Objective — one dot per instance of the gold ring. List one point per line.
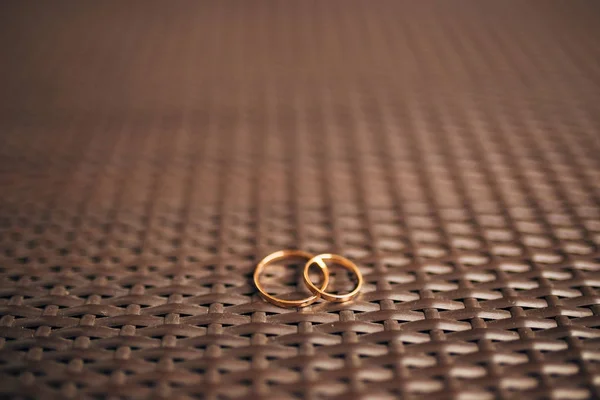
(279, 255)
(344, 262)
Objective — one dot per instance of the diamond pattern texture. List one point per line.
(152, 153)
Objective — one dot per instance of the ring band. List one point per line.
(279, 255)
(344, 262)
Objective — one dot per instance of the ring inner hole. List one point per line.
(341, 280)
(283, 279)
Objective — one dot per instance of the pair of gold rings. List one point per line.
(316, 291)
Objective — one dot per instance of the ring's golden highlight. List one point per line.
(280, 255)
(344, 262)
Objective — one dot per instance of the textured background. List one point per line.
(151, 153)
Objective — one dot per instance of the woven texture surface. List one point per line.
(151, 154)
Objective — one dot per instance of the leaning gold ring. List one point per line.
(344, 262)
(279, 255)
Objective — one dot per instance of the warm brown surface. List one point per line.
(151, 153)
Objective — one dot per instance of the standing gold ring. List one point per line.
(279, 255)
(344, 262)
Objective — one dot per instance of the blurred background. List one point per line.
(152, 152)
(309, 94)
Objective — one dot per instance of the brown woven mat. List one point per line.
(151, 153)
